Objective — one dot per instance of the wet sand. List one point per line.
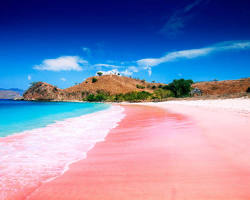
(155, 154)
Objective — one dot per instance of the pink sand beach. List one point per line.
(163, 151)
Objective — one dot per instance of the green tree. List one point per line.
(99, 73)
(94, 80)
(91, 97)
(101, 97)
(180, 87)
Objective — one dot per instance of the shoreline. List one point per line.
(54, 148)
(166, 152)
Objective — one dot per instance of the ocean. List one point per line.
(39, 140)
(18, 116)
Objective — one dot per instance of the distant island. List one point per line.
(12, 93)
(116, 88)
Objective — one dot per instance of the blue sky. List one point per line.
(64, 42)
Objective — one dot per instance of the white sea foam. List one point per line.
(35, 156)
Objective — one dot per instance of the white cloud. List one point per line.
(194, 53)
(63, 79)
(127, 72)
(133, 69)
(63, 63)
(106, 65)
(29, 77)
(149, 69)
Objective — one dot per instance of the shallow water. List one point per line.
(17, 116)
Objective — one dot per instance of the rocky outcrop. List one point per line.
(42, 91)
(196, 92)
(46, 92)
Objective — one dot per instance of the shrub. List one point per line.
(136, 96)
(140, 86)
(143, 95)
(248, 90)
(180, 87)
(118, 97)
(101, 97)
(131, 96)
(94, 80)
(91, 97)
(55, 89)
(162, 94)
(165, 87)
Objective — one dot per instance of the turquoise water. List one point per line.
(17, 116)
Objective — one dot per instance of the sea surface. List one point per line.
(17, 116)
(39, 140)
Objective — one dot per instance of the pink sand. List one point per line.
(153, 154)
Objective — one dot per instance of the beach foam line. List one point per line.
(30, 158)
